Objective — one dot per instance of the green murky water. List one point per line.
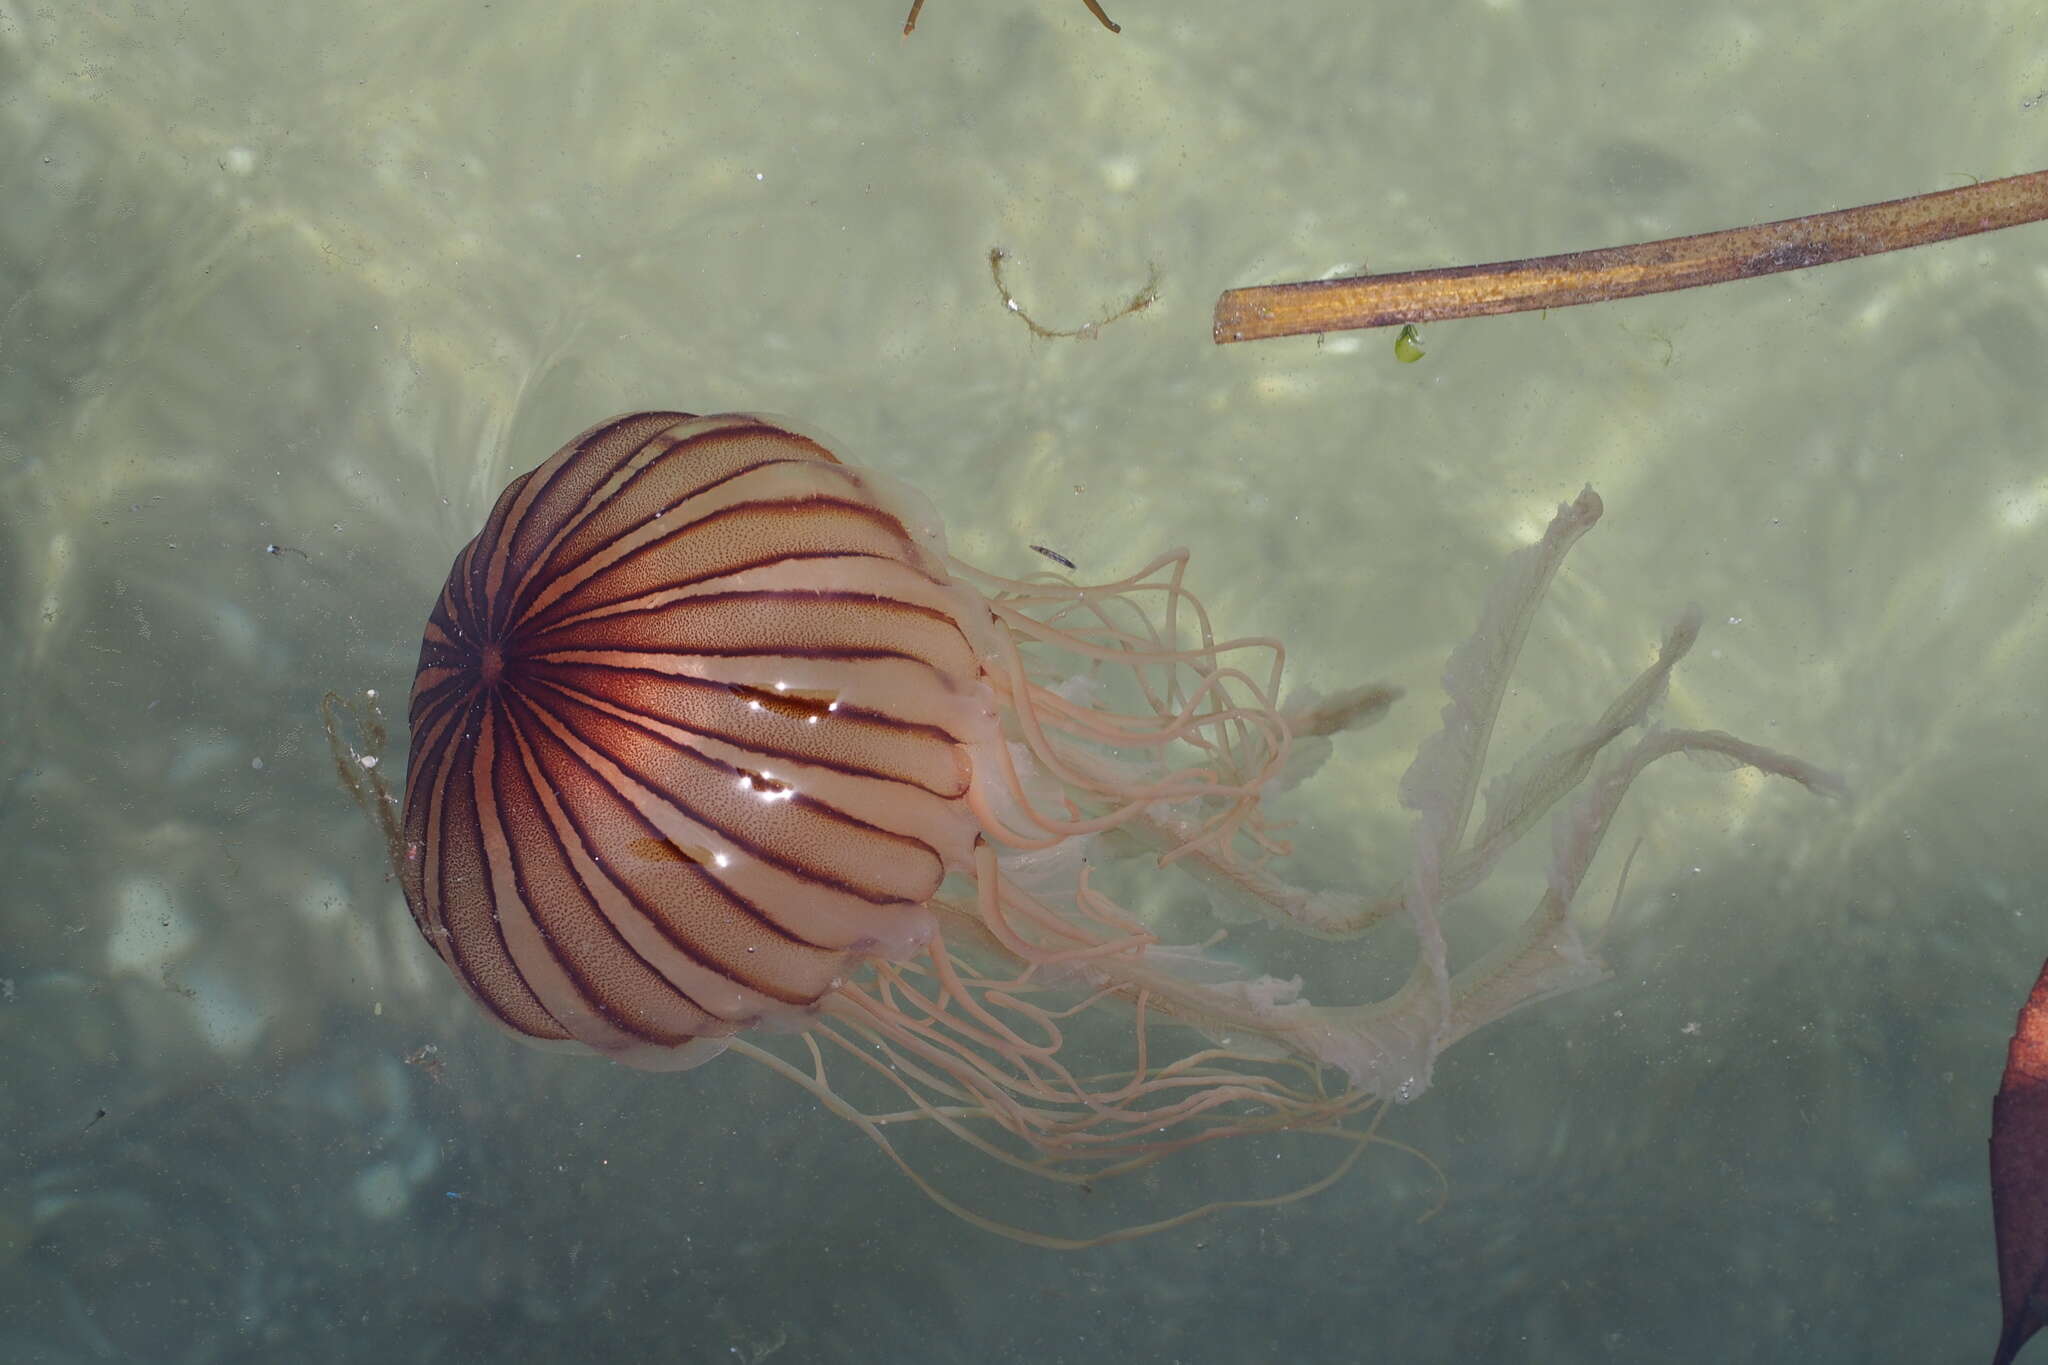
(286, 295)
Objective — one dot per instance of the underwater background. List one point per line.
(288, 292)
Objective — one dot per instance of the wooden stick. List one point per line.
(1620, 272)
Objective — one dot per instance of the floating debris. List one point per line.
(1093, 8)
(1139, 302)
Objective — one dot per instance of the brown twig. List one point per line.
(1093, 8)
(1620, 272)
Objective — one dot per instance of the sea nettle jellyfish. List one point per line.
(712, 740)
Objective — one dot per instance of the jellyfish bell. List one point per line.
(690, 739)
(712, 740)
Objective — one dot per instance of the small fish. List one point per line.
(1054, 555)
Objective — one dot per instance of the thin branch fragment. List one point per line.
(1107, 22)
(1093, 8)
(1620, 272)
(1139, 302)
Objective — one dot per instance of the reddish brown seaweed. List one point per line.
(2019, 1176)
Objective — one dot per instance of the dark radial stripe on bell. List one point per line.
(765, 622)
(709, 779)
(455, 878)
(667, 466)
(829, 528)
(582, 488)
(608, 973)
(638, 691)
(544, 497)
(536, 719)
